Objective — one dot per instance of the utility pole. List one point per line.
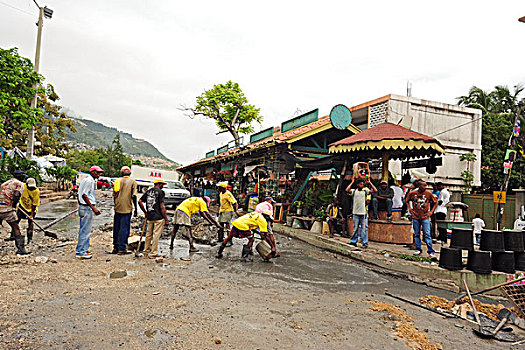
(512, 143)
(48, 13)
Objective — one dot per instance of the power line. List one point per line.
(16, 8)
(457, 127)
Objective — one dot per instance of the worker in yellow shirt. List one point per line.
(242, 228)
(228, 206)
(185, 212)
(29, 203)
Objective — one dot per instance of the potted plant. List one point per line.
(299, 207)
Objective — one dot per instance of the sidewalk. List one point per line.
(385, 257)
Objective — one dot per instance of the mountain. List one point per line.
(91, 134)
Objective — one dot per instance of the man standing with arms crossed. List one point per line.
(125, 197)
(228, 206)
(86, 210)
(441, 210)
(10, 192)
(418, 202)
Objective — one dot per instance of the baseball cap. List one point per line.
(31, 182)
(269, 199)
(159, 181)
(207, 200)
(96, 168)
(125, 168)
(384, 182)
(19, 172)
(222, 184)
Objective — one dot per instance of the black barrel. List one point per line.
(492, 240)
(503, 262)
(513, 240)
(479, 261)
(450, 259)
(519, 259)
(462, 238)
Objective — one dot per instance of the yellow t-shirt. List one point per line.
(29, 199)
(193, 205)
(227, 202)
(251, 221)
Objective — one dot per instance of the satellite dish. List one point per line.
(341, 117)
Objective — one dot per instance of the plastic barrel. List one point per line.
(479, 261)
(513, 240)
(462, 238)
(519, 259)
(503, 262)
(450, 259)
(492, 240)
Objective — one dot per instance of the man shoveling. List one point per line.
(228, 206)
(242, 228)
(10, 192)
(185, 212)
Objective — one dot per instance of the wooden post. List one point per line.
(385, 157)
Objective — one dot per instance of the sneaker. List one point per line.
(84, 257)
(365, 247)
(432, 256)
(353, 244)
(417, 252)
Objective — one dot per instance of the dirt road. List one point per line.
(308, 299)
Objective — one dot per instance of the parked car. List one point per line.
(103, 183)
(175, 193)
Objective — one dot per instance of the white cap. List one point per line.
(31, 182)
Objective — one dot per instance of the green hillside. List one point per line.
(96, 134)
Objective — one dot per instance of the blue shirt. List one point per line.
(87, 187)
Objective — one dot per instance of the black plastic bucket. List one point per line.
(450, 259)
(492, 240)
(462, 238)
(519, 259)
(479, 261)
(513, 240)
(503, 262)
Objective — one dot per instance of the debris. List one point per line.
(150, 334)
(159, 260)
(118, 274)
(404, 327)
(490, 310)
(218, 340)
(155, 293)
(185, 259)
(41, 259)
(54, 261)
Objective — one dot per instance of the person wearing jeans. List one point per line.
(360, 217)
(418, 202)
(125, 198)
(384, 196)
(86, 210)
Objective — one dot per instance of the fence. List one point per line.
(482, 204)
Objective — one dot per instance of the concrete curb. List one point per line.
(430, 275)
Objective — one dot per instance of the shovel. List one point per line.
(504, 315)
(137, 252)
(46, 233)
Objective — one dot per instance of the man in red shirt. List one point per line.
(418, 202)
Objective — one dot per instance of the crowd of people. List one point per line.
(20, 199)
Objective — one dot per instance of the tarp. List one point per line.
(331, 162)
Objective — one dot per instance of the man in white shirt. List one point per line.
(478, 224)
(397, 201)
(441, 210)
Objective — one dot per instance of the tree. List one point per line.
(227, 105)
(17, 88)
(499, 109)
(466, 174)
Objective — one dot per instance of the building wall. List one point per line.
(457, 128)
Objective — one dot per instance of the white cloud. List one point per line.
(131, 64)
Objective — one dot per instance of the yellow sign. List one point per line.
(499, 197)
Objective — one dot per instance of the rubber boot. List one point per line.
(219, 253)
(20, 245)
(29, 235)
(220, 235)
(10, 238)
(245, 252)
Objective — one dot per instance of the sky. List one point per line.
(132, 64)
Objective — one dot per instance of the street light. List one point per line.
(47, 13)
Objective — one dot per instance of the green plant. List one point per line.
(320, 214)
(298, 204)
(467, 175)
